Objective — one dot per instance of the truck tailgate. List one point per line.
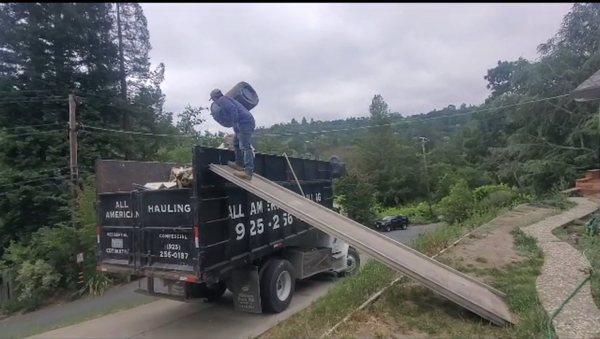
(167, 230)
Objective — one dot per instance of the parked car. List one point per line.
(391, 223)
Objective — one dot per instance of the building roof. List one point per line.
(588, 90)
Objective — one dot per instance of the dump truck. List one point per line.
(194, 243)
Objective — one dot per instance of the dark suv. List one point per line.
(391, 223)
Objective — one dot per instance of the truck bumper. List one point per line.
(168, 275)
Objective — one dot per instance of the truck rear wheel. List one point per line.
(352, 261)
(277, 285)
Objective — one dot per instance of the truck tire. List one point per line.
(277, 283)
(211, 293)
(353, 262)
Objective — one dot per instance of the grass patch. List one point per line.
(328, 310)
(433, 242)
(412, 309)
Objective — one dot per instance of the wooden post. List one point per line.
(423, 141)
(73, 155)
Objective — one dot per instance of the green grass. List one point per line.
(409, 308)
(442, 237)
(328, 310)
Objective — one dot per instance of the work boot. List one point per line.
(243, 175)
(235, 166)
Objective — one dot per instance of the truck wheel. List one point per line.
(353, 261)
(211, 293)
(277, 284)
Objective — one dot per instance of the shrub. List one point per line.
(53, 251)
(418, 213)
(496, 199)
(35, 281)
(457, 205)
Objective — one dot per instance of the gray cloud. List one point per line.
(326, 61)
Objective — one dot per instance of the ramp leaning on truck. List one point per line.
(454, 285)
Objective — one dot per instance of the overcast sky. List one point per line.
(326, 61)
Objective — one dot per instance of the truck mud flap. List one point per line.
(245, 285)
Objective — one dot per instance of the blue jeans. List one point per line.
(244, 156)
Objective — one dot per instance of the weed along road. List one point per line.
(166, 318)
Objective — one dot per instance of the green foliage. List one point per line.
(418, 213)
(189, 119)
(35, 281)
(355, 195)
(593, 225)
(457, 205)
(55, 249)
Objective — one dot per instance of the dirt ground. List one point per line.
(491, 246)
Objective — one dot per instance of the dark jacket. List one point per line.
(233, 114)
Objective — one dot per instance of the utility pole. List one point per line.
(423, 141)
(73, 155)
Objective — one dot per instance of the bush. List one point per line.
(457, 205)
(418, 213)
(496, 196)
(496, 199)
(52, 252)
(482, 192)
(35, 281)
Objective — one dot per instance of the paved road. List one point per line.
(166, 318)
(171, 319)
(411, 233)
(116, 298)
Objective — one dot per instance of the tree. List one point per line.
(190, 119)
(46, 51)
(355, 195)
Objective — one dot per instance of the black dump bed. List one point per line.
(195, 233)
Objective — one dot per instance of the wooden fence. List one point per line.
(6, 287)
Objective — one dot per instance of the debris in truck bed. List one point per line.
(160, 185)
(183, 176)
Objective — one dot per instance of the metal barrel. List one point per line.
(245, 94)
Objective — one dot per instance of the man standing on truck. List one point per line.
(228, 112)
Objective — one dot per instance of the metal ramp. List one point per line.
(444, 280)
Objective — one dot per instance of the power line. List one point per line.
(30, 91)
(36, 125)
(84, 127)
(408, 120)
(31, 133)
(33, 99)
(414, 119)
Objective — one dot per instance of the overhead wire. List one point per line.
(30, 133)
(410, 119)
(26, 126)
